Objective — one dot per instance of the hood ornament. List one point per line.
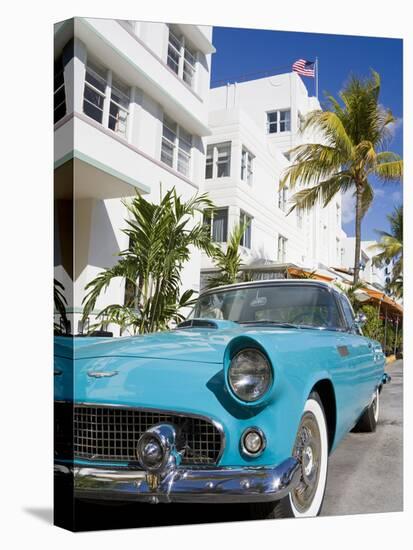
(102, 374)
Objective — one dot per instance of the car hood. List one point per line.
(193, 344)
(175, 370)
(188, 344)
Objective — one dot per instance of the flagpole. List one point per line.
(316, 77)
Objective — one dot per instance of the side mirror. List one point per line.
(360, 319)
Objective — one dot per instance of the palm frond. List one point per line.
(389, 171)
(305, 199)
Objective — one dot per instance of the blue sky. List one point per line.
(248, 51)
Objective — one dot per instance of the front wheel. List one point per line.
(311, 449)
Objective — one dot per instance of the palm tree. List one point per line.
(160, 237)
(354, 133)
(229, 262)
(390, 249)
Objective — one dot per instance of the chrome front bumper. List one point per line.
(224, 485)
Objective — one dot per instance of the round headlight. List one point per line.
(250, 375)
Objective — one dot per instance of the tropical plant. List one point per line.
(353, 135)
(373, 327)
(351, 293)
(395, 286)
(160, 241)
(60, 304)
(228, 261)
(390, 250)
(302, 274)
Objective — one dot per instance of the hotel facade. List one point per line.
(134, 112)
(254, 124)
(131, 114)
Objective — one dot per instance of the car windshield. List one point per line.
(296, 305)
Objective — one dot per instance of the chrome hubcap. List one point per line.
(308, 461)
(307, 450)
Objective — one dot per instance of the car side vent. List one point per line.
(197, 323)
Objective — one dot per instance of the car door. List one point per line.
(361, 362)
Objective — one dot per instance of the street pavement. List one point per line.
(366, 471)
(365, 476)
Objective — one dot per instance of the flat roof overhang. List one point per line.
(80, 177)
(197, 37)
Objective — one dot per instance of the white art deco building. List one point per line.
(134, 110)
(131, 111)
(254, 124)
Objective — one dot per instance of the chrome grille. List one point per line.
(111, 433)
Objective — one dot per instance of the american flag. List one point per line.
(304, 67)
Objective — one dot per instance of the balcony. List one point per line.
(126, 55)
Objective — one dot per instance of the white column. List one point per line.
(74, 61)
(106, 105)
(181, 60)
(132, 114)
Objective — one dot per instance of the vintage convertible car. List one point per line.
(242, 402)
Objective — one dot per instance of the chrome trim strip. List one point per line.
(226, 484)
(217, 424)
(102, 374)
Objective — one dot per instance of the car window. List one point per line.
(297, 304)
(348, 312)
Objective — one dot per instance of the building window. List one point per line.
(188, 73)
(95, 91)
(282, 248)
(338, 214)
(246, 221)
(209, 163)
(181, 58)
(184, 151)
(338, 251)
(279, 121)
(218, 160)
(217, 221)
(119, 107)
(100, 88)
(176, 146)
(246, 166)
(283, 198)
(59, 97)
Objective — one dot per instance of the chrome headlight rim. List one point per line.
(264, 395)
(146, 439)
(244, 434)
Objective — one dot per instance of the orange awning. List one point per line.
(375, 295)
(378, 296)
(303, 272)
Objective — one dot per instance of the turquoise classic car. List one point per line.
(241, 403)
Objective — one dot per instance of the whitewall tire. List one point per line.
(307, 499)
(311, 449)
(376, 406)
